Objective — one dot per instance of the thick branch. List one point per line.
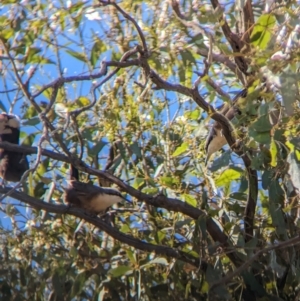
(103, 226)
(224, 60)
(248, 21)
(204, 52)
(235, 42)
(194, 94)
(250, 208)
(160, 201)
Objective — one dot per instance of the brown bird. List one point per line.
(215, 139)
(91, 198)
(12, 164)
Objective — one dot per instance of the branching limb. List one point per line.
(103, 226)
(234, 40)
(156, 201)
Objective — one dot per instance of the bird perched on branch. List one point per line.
(91, 198)
(12, 164)
(215, 139)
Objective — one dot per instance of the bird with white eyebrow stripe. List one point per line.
(91, 198)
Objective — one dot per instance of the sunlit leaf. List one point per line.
(98, 48)
(273, 150)
(120, 271)
(262, 31)
(79, 56)
(189, 199)
(181, 149)
(228, 176)
(158, 260)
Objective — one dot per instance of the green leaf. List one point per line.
(136, 149)
(260, 137)
(83, 101)
(187, 57)
(75, 7)
(262, 124)
(57, 283)
(193, 115)
(276, 200)
(138, 182)
(77, 55)
(266, 178)
(131, 255)
(289, 89)
(125, 229)
(32, 121)
(120, 271)
(251, 246)
(168, 181)
(221, 161)
(158, 260)
(273, 150)
(228, 176)
(159, 236)
(7, 33)
(98, 48)
(189, 199)
(262, 31)
(252, 283)
(28, 139)
(239, 196)
(79, 283)
(181, 149)
(42, 168)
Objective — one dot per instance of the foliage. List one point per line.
(124, 91)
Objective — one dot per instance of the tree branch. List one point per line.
(235, 42)
(103, 226)
(160, 201)
(204, 52)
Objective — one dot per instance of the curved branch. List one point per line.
(200, 101)
(233, 39)
(103, 226)
(220, 58)
(156, 201)
(202, 51)
(69, 79)
(251, 200)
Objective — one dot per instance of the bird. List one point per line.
(12, 164)
(91, 198)
(215, 139)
